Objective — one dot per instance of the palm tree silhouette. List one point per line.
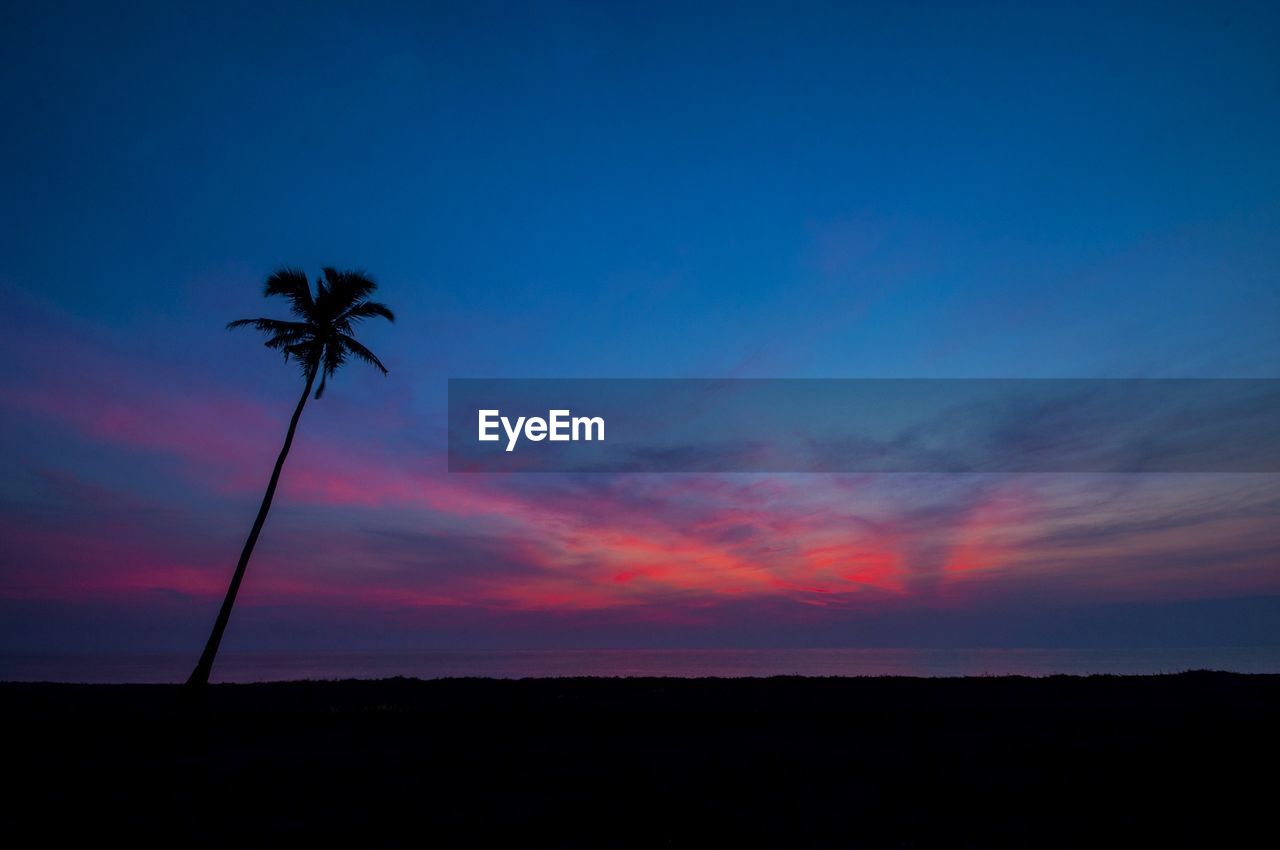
(320, 341)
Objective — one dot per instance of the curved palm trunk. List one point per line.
(200, 675)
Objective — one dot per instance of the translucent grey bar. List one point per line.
(869, 425)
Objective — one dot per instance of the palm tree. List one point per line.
(320, 341)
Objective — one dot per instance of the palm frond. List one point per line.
(346, 288)
(366, 310)
(306, 352)
(293, 285)
(281, 340)
(321, 298)
(360, 352)
(272, 326)
(334, 356)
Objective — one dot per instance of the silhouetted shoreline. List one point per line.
(785, 761)
(279, 666)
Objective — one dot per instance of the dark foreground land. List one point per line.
(785, 762)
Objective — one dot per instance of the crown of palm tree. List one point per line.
(322, 339)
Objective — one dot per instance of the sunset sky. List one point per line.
(622, 190)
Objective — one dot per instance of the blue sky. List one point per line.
(561, 190)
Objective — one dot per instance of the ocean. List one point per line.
(247, 667)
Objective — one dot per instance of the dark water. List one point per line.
(275, 666)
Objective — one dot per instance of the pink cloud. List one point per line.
(546, 543)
